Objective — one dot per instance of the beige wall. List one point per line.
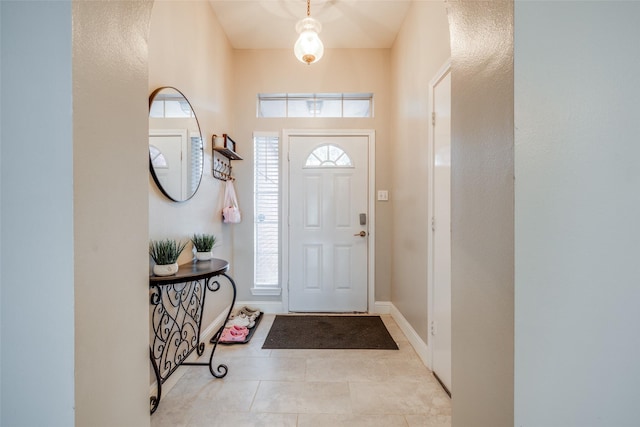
(482, 223)
(279, 71)
(189, 51)
(421, 49)
(110, 213)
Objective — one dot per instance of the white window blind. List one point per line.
(195, 163)
(267, 210)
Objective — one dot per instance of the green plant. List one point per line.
(203, 242)
(165, 251)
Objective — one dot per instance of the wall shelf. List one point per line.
(224, 151)
(231, 155)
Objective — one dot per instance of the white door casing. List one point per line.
(172, 170)
(440, 165)
(327, 264)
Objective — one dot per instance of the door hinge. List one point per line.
(433, 118)
(433, 223)
(433, 327)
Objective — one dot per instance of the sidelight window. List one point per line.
(266, 214)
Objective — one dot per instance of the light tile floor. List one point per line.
(308, 388)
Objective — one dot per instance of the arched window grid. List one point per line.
(328, 156)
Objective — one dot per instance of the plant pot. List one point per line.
(165, 269)
(204, 256)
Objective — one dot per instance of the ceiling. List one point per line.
(270, 24)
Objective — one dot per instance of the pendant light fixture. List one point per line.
(308, 47)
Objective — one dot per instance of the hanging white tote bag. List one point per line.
(230, 211)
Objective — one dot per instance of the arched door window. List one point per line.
(328, 156)
(158, 160)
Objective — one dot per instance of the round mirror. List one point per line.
(176, 151)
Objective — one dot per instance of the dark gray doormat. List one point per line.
(329, 332)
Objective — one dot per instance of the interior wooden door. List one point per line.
(441, 228)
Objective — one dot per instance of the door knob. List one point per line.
(361, 234)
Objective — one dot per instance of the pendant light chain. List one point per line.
(308, 7)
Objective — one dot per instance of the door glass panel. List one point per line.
(328, 156)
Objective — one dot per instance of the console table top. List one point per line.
(195, 270)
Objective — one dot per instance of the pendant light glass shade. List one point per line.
(308, 47)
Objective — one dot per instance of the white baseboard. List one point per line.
(213, 327)
(269, 307)
(421, 348)
(382, 307)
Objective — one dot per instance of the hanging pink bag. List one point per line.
(230, 211)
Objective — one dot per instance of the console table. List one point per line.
(177, 303)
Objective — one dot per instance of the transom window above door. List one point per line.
(315, 105)
(328, 156)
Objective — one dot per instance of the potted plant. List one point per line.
(203, 244)
(165, 254)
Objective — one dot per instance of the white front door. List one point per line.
(441, 229)
(328, 223)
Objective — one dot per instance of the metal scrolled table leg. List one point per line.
(222, 369)
(155, 400)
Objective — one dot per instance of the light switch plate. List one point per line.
(383, 195)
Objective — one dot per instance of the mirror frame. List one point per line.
(151, 169)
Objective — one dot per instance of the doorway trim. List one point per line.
(446, 68)
(371, 179)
